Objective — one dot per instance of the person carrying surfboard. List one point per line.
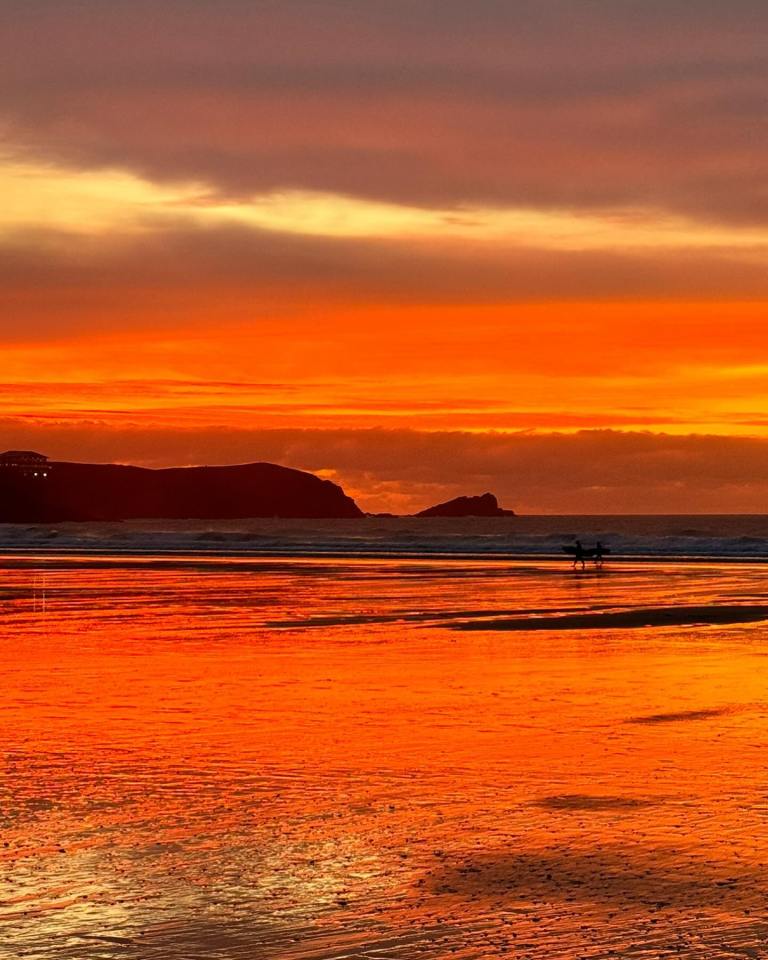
(598, 554)
(578, 555)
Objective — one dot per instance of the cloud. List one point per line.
(545, 104)
(54, 284)
(100, 203)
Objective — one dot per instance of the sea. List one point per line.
(727, 537)
(384, 739)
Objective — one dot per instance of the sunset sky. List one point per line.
(422, 247)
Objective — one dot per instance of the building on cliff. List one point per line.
(26, 462)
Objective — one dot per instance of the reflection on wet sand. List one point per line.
(660, 617)
(680, 715)
(190, 772)
(583, 801)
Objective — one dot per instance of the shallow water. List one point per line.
(312, 759)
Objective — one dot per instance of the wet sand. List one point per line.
(654, 617)
(308, 760)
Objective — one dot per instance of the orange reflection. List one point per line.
(257, 753)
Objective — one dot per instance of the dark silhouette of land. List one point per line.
(34, 489)
(485, 505)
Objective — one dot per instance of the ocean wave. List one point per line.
(733, 538)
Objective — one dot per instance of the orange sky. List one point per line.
(225, 227)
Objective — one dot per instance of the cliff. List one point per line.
(485, 505)
(59, 491)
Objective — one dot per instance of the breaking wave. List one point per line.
(685, 538)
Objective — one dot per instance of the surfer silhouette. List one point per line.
(599, 553)
(578, 555)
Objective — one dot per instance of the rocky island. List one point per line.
(486, 505)
(34, 489)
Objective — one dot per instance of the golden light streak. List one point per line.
(117, 202)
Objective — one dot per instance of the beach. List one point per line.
(383, 480)
(365, 757)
